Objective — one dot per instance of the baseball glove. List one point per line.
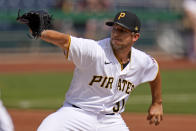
(37, 21)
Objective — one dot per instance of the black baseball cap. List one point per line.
(126, 19)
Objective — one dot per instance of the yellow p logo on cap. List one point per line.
(136, 28)
(121, 15)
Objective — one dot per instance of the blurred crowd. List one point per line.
(85, 5)
(189, 7)
(65, 5)
(181, 33)
(92, 27)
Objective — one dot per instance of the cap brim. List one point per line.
(109, 23)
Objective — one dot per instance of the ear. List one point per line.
(136, 37)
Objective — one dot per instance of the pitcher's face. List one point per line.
(122, 38)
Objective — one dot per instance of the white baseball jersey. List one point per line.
(100, 84)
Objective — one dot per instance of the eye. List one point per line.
(118, 30)
(121, 30)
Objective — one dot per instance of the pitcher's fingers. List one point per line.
(157, 120)
(149, 117)
(152, 120)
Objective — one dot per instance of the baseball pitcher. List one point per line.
(106, 72)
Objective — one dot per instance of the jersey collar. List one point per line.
(115, 60)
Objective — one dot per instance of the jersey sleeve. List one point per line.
(150, 71)
(83, 52)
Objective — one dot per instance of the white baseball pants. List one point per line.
(5, 120)
(69, 118)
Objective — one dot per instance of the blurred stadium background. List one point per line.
(32, 72)
(161, 21)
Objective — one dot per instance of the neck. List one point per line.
(123, 56)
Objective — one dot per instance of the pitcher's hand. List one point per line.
(155, 113)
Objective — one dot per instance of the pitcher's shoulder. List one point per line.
(139, 53)
(141, 57)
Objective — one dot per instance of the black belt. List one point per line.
(75, 106)
(110, 114)
(80, 108)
